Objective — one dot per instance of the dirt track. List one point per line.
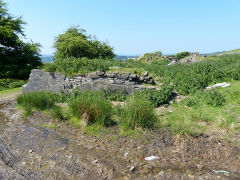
(30, 151)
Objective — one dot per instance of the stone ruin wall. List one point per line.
(57, 82)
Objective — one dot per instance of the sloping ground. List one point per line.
(10, 94)
(235, 51)
(30, 151)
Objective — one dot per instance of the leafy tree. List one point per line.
(182, 55)
(76, 43)
(16, 57)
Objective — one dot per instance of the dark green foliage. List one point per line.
(73, 66)
(11, 83)
(94, 105)
(157, 97)
(76, 43)
(17, 58)
(210, 97)
(138, 112)
(182, 55)
(38, 99)
(115, 95)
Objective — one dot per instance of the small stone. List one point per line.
(95, 161)
(190, 176)
(145, 74)
(132, 168)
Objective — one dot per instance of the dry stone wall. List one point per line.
(57, 82)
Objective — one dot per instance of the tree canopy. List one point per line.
(17, 58)
(76, 43)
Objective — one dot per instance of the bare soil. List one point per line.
(29, 150)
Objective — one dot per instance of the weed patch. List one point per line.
(138, 113)
(92, 107)
(38, 99)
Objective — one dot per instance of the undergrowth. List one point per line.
(138, 113)
(92, 107)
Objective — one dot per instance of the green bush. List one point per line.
(158, 97)
(76, 43)
(182, 55)
(73, 66)
(94, 105)
(209, 97)
(213, 98)
(40, 100)
(190, 78)
(11, 83)
(138, 112)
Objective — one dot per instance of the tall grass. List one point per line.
(40, 100)
(91, 107)
(138, 112)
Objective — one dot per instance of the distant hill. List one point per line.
(47, 58)
(50, 58)
(235, 51)
(124, 57)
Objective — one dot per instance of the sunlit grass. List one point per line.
(206, 118)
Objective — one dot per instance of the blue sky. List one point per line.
(136, 26)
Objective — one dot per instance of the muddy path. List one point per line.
(29, 150)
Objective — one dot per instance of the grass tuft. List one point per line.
(138, 113)
(38, 99)
(92, 107)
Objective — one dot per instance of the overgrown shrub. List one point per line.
(73, 66)
(11, 83)
(210, 97)
(182, 55)
(190, 78)
(138, 112)
(92, 107)
(40, 100)
(158, 97)
(213, 98)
